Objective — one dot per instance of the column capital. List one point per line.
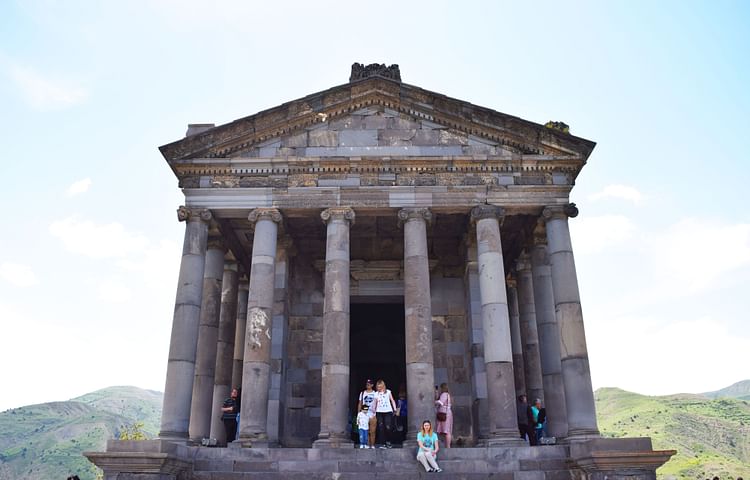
(560, 211)
(272, 214)
(511, 282)
(406, 214)
(194, 214)
(523, 262)
(487, 211)
(338, 213)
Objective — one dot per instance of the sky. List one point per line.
(90, 243)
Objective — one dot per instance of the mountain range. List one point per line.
(710, 431)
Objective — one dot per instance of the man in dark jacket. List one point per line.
(525, 419)
(230, 409)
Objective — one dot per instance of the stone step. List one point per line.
(524, 463)
(378, 475)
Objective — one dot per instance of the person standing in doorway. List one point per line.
(444, 414)
(402, 414)
(367, 397)
(363, 422)
(525, 420)
(229, 411)
(385, 405)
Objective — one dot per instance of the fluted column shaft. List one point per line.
(549, 341)
(515, 338)
(335, 371)
(420, 372)
(224, 350)
(576, 373)
(208, 334)
(530, 337)
(257, 355)
(498, 356)
(239, 334)
(178, 389)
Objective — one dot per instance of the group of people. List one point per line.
(532, 420)
(379, 414)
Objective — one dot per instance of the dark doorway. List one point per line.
(377, 348)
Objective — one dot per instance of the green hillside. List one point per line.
(740, 390)
(45, 441)
(711, 436)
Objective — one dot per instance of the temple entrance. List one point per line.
(377, 347)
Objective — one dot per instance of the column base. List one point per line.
(581, 435)
(328, 440)
(259, 440)
(504, 438)
(174, 437)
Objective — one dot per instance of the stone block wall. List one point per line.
(452, 351)
(304, 349)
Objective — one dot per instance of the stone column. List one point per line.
(549, 338)
(257, 356)
(208, 333)
(579, 394)
(498, 355)
(224, 350)
(532, 363)
(335, 370)
(515, 337)
(239, 333)
(178, 389)
(420, 372)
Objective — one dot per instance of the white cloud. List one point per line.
(695, 253)
(622, 192)
(109, 240)
(113, 291)
(595, 234)
(76, 188)
(18, 274)
(44, 93)
(697, 354)
(158, 265)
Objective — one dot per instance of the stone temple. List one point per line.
(376, 230)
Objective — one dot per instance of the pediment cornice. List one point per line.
(524, 137)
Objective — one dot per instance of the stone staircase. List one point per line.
(517, 463)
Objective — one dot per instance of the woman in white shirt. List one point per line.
(384, 406)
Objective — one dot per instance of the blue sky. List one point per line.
(88, 91)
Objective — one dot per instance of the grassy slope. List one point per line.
(45, 441)
(712, 437)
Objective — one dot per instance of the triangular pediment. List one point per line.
(375, 131)
(377, 117)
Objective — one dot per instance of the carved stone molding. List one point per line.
(272, 214)
(406, 214)
(194, 214)
(360, 71)
(560, 211)
(337, 213)
(486, 211)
